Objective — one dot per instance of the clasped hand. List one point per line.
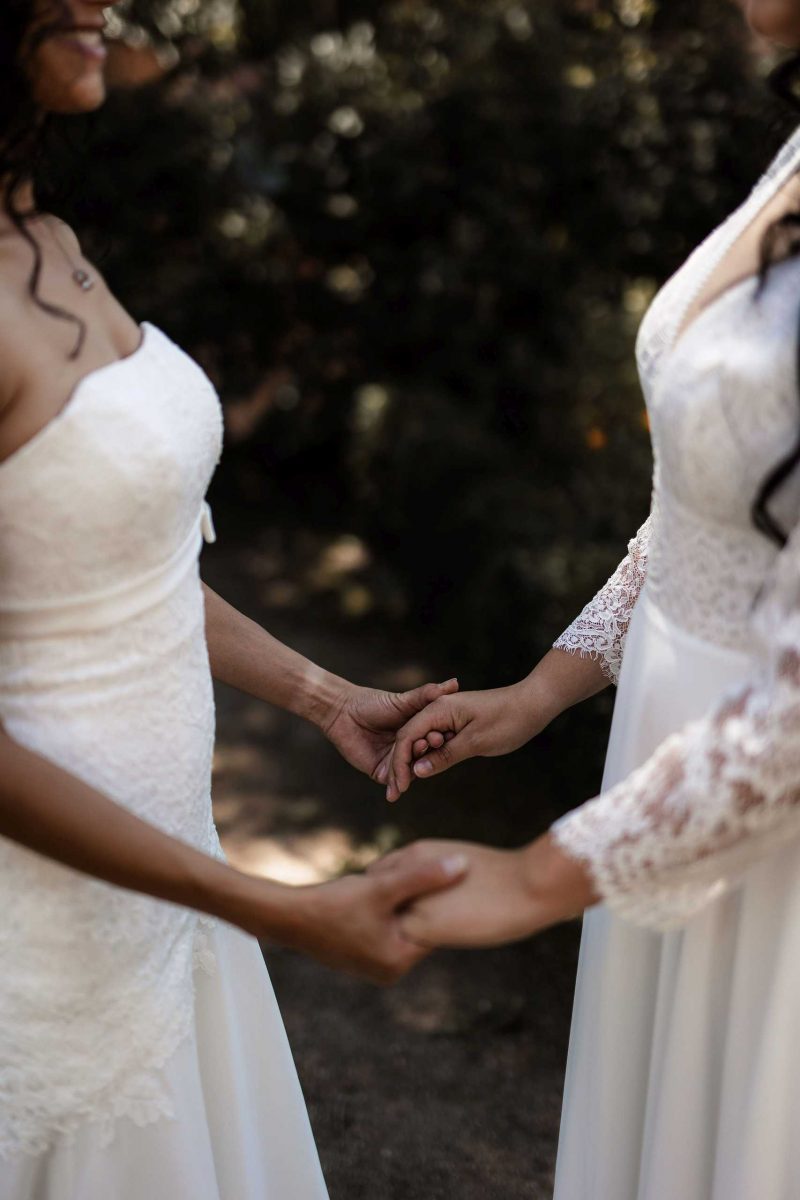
(439, 893)
(503, 895)
(500, 896)
(456, 726)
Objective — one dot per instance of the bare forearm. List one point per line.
(58, 815)
(558, 681)
(243, 654)
(491, 722)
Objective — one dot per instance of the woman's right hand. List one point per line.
(467, 724)
(461, 726)
(506, 894)
(354, 923)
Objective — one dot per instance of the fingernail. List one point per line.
(448, 681)
(455, 864)
(423, 767)
(383, 771)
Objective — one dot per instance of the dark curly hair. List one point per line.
(25, 130)
(782, 240)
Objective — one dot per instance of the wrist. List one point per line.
(558, 681)
(292, 915)
(260, 907)
(535, 702)
(322, 696)
(559, 886)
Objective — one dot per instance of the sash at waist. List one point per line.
(100, 609)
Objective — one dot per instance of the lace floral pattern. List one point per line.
(96, 986)
(713, 799)
(724, 791)
(599, 631)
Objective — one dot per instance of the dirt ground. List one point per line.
(448, 1086)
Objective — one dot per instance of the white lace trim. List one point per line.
(140, 1094)
(600, 630)
(713, 800)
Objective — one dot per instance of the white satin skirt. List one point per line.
(241, 1130)
(683, 1073)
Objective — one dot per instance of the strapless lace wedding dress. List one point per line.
(142, 1054)
(683, 1077)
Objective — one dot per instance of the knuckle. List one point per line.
(414, 854)
(383, 882)
(426, 719)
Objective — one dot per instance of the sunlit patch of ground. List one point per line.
(309, 858)
(448, 1085)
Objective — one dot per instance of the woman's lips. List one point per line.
(88, 42)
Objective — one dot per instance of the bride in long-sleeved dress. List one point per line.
(683, 1076)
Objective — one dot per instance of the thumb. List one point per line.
(445, 718)
(418, 698)
(411, 879)
(455, 750)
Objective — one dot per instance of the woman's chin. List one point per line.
(777, 21)
(79, 96)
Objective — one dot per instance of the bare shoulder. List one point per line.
(66, 235)
(21, 345)
(15, 339)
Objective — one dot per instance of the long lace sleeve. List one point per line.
(599, 631)
(715, 797)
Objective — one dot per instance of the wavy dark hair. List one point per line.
(782, 240)
(25, 130)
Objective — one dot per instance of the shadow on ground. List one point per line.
(448, 1086)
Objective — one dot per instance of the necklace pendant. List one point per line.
(83, 279)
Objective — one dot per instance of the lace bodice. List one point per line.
(724, 407)
(104, 670)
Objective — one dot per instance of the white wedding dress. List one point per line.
(142, 1054)
(683, 1076)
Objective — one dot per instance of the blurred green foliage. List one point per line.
(413, 241)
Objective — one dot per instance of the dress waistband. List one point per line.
(98, 610)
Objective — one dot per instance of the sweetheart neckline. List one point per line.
(146, 330)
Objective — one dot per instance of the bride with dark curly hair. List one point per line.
(142, 1054)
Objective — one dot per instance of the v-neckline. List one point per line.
(748, 212)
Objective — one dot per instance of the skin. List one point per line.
(352, 923)
(507, 895)
(778, 21)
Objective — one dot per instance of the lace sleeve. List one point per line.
(599, 631)
(715, 797)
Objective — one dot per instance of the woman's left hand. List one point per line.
(365, 721)
(505, 895)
